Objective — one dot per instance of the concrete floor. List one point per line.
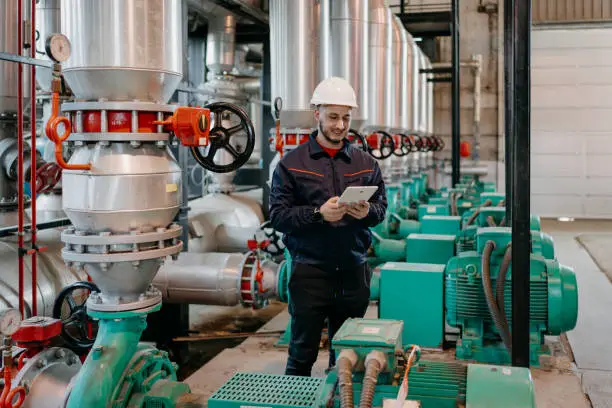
(580, 375)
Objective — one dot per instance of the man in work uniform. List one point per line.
(327, 240)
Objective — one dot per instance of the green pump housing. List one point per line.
(453, 292)
(553, 300)
(433, 384)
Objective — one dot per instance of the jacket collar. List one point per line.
(317, 151)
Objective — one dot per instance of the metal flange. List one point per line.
(70, 236)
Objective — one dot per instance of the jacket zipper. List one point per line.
(334, 176)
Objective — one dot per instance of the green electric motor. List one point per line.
(478, 300)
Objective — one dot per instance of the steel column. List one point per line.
(521, 188)
(508, 100)
(267, 123)
(455, 99)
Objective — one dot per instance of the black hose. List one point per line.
(345, 382)
(500, 293)
(488, 291)
(373, 368)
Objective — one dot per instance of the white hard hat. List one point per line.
(334, 91)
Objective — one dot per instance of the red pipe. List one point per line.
(33, 178)
(20, 208)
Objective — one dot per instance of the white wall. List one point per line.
(571, 122)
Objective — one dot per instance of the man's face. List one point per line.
(334, 122)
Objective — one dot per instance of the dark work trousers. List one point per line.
(317, 293)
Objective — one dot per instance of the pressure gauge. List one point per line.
(58, 47)
(10, 319)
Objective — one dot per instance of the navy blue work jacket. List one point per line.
(304, 179)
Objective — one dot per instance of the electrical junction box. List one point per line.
(430, 248)
(365, 335)
(414, 294)
(433, 209)
(441, 224)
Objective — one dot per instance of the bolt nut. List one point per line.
(160, 143)
(104, 266)
(60, 354)
(135, 144)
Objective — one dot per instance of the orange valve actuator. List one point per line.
(190, 125)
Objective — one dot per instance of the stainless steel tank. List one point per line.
(395, 90)
(9, 83)
(140, 193)
(378, 67)
(48, 21)
(123, 50)
(407, 72)
(350, 51)
(127, 60)
(295, 65)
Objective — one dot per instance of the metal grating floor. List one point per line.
(269, 389)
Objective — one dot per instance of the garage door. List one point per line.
(571, 121)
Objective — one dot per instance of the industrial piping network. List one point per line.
(122, 228)
(123, 253)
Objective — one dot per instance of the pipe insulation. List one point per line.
(350, 56)
(214, 279)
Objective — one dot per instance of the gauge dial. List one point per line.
(58, 47)
(10, 320)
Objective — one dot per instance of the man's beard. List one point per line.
(329, 139)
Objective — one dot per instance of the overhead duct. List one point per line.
(295, 62)
(350, 51)
(378, 68)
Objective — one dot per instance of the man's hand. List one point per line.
(359, 210)
(332, 211)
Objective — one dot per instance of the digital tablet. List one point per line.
(357, 194)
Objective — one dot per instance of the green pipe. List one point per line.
(98, 381)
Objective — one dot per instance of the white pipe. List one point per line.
(476, 66)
